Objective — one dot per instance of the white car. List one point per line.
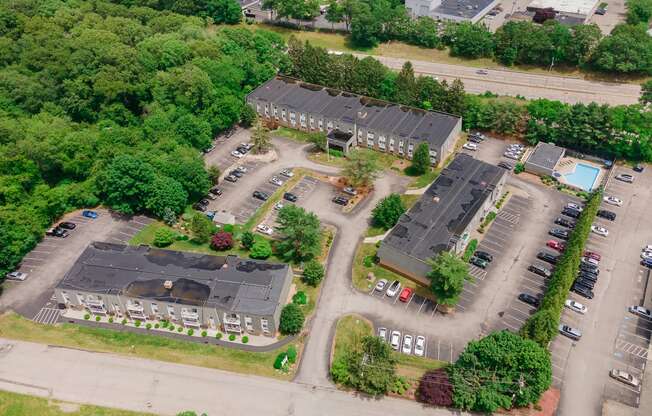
(641, 311)
(276, 181)
(382, 334)
(241, 169)
(576, 306)
(599, 230)
(19, 276)
(625, 177)
(574, 206)
(470, 146)
(590, 260)
(393, 289)
(624, 377)
(420, 346)
(395, 340)
(264, 229)
(646, 255)
(247, 146)
(278, 206)
(237, 154)
(647, 247)
(381, 285)
(613, 200)
(287, 173)
(407, 344)
(510, 155)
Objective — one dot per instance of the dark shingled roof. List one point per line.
(446, 209)
(233, 284)
(546, 155)
(408, 122)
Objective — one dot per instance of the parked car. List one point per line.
(406, 293)
(67, 225)
(573, 205)
(564, 222)
(395, 340)
(420, 346)
(529, 299)
(646, 263)
(242, 169)
(479, 135)
(624, 377)
(505, 165)
(608, 215)
(559, 233)
(482, 72)
(593, 255)
(591, 268)
(641, 311)
(215, 191)
(340, 200)
(236, 173)
(205, 202)
(393, 288)
(260, 195)
(211, 196)
(90, 214)
(199, 207)
(287, 173)
(57, 232)
(350, 190)
(237, 154)
(231, 178)
(18, 276)
(264, 229)
(612, 200)
(540, 270)
(242, 150)
(470, 146)
(478, 262)
(475, 139)
(569, 212)
(381, 285)
(279, 205)
(570, 332)
(625, 177)
(407, 344)
(557, 245)
(275, 181)
(290, 197)
(382, 333)
(513, 156)
(575, 306)
(590, 260)
(547, 257)
(582, 291)
(585, 282)
(484, 255)
(638, 168)
(585, 275)
(599, 230)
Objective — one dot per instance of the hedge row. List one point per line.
(542, 326)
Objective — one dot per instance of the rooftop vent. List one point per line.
(168, 284)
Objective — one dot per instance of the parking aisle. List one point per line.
(435, 348)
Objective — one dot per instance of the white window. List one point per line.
(312, 122)
(258, 108)
(283, 114)
(171, 312)
(359, 136)
(293, 118)
(321, 125)
(370, 142)
(117, 309)
(80, 298)
(65, 297)
(381, 142)
(391, 145)
(329, 125)
(266, 110)
(265, 325)
(249, 323)
(370, 135)
(154, 308)
(275, 112)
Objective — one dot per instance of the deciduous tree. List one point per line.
(300, 233)
(387, 212)
(291, 320)
(361, 168)
(447, 278)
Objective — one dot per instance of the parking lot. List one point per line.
(435, 348)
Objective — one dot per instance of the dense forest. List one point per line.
(105, 103)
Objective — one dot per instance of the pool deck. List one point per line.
(567, 165)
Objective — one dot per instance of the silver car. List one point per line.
(420, 346)
(381, 284)
(395, 340)
(407, 344)
(382, 333)
(276, 181)
(19, 276)
(393, 289)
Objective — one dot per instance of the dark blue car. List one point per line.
(90, 214)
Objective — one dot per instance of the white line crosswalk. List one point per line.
(477, 272)
(630, 348)
(47, 316)
(509, 217)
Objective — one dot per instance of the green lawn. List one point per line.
(14, 404)
(151, 347)
(298, 135)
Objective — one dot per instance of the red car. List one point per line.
(593, 255)
(557, 245)
(406, 294)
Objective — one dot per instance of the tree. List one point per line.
(469, 40)
(126, 183)
(435, 388)
(163, 237)
(260, 138)
(371, 368)
(447, 278)
(165, 193)
(501, 370)
(334, 13)
(541, 327)
(319, 140)
(248, 116)
(291, 321)
(222, 241)
(365, 27)
(201, 228)
(313, 272)
(646, 93)
(300, 233)
(406, 85)
(387, 212)
(224, 11)
(639, 11)
(361, 168)
(421, 159)
(261, 249)
(626, 50)
(247, 239)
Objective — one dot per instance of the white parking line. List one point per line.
(40, 251)
(511, 326)
(485, 241)
(625, 386)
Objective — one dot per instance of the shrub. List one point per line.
(137, 323)
(165, 324)
(291, 321)
(519, 167)
(97, 319)
(401, 385)
(163, 237)
(222, 241)
(261, 250)
(157, 326)
(110, 319)
(368, 261)
(435, 388)
(470, 249)
(278, 362)
(218, 335)
(124, 322)
(87, 316)
(300, 298)
(232, 337)
(171, 327)
(204, 333)
(292, 354)
(245, 339)
(191, 332)
(247, 240)
(313, 272)
(387, 212)
(148, 326)
(180, 329)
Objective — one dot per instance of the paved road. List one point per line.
(167, 388)
(513, 83)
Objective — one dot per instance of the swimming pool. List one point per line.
(583, 177)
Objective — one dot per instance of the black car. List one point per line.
(340, 200)
(581, 284)
(638, 168)
(588, 267)
(505, 165)
(582, 291)
(608, 215)
(564, 222)
(475, 139)
(199, 207)
(231, 178)
(559, 233)
(585, 282)
(529, 299)
(57, 232)
(242, 149)
(260, 195)
(547, 257)
(540, 270)
(587, 276)
(570, 212)
(290, 197)
(215, 191)
(236, 173)
(484, 255)
(67, 225)
(204, 202)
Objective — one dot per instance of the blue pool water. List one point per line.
(584, 176)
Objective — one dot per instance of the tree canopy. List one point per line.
(387, 212)
(300, 233)
(447, 277)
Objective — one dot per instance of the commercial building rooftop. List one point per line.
(446, 209)
(545, 156)
(227, 282)
(411, 123)
(580, 7)
(462, 8)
